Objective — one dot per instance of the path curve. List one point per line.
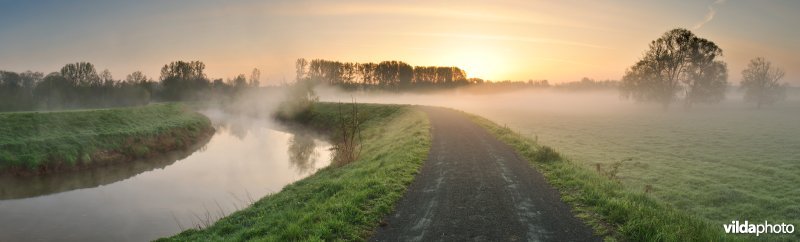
(473, 187)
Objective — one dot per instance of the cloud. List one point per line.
(505, 38)
(710, 15)
(490, 13)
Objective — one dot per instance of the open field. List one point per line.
(47, 141)
(338, 202)
(720, 162)
(614, 212)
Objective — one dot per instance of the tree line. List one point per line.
(392, 75)
(678, 67)
(79, 85)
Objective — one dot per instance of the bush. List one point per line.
(546, 154)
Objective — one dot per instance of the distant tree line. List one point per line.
(79, 85)
(586, 84)
(677, 67)
(392, 75)
(187, 81)
(517, 84)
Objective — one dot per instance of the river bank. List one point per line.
(338, 202)
(36, 143)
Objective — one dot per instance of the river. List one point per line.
(245, 160)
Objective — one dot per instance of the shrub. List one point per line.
(546, 154)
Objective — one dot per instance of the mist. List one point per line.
(543, 101)
(601, 127)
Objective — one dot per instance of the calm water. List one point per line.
(245, 160)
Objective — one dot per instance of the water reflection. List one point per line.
(246, 158)
(15, 187)
(238, 126)
(302, 152)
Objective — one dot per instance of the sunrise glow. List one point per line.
(508, 40)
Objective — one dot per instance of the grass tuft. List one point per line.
(546, 154)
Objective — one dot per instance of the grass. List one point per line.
(49, 141)
(615, 212)
(719, 163)
(337, 203)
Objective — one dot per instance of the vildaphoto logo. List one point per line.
(747, 228)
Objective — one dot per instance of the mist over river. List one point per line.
(245, 160)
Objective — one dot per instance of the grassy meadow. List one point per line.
(616, 213)
(338, 202)
(720, 163)
(47, 141)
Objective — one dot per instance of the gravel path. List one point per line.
(473, 187)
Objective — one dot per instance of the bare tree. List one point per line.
(348, 149)
(300, 66)
(677, 65)
(255, 78)
(760, 82)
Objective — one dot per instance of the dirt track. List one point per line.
(475, 188)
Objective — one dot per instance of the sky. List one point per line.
(559, 41)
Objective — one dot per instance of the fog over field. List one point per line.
(359, 120)
(723, 161)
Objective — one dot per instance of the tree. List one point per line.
(760, 82)
(677, 65)
(239, 82)
(393, 75)
(106, 76)
(137, 77)
(54, 91)
(10, 89)
(349, 74)
(183, 70)
(30, 79)
(404, 74)
(255, 78)
(367, 72)
(300, 66)
(183, 80)
(80, 74)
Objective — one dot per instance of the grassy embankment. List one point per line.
(338, 202)
(42, 142)
(613, 211)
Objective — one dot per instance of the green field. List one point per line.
(49, 141)
(722, 163)
(338, 202)
(616, 213)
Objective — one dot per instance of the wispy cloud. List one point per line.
(710, 15)
(505, 38)
(465, 12)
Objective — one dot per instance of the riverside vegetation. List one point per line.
(42, 142)
(340, 202)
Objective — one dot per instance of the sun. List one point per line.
(480, 61)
